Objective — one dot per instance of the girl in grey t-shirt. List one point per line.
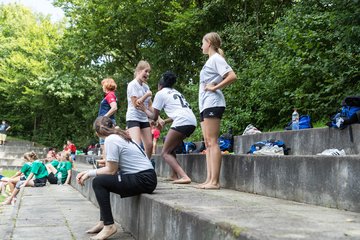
(128, 172)
(215, 75)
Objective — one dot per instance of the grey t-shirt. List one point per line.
(135, 89)
(130, 157)
(213, 71)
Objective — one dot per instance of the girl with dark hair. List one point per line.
(127, 172)
(183, 123)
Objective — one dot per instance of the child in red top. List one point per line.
(155, 134)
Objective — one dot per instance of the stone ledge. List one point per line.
(320, 180)
(307, 141)
(183, 213)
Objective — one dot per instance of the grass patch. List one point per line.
(8, 172)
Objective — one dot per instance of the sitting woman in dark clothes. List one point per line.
(128, 172)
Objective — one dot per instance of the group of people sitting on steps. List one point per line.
(37, 172)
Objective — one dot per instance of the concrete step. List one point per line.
(21, 149)
(184, 212)
(329, 181)
(307, 141)
(320, 180)
(11, 162)
(18, 143)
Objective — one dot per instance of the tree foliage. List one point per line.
(286, 54)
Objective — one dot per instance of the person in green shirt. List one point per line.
(37, 177)
(20, 175)
(63, 167)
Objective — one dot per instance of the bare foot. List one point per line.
(202, 184)
(7, 201)
(105, 233)
(170, 179)
(211, 186)
(183, 180)
(97, 228)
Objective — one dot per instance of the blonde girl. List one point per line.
(214, 76)
(38, 172)
(138, 93)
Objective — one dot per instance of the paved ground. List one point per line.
(52, 212)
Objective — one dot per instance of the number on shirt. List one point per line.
(183, 102)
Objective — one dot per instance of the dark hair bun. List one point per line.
(168, 79)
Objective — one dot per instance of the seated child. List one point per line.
(38, 172)
(63, 168)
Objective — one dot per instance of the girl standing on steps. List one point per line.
(138, 92)
(215, 75)
(38, 172)
(128, 172)
(183, 123)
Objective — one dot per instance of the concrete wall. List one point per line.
(150, 217)
(320, 180)
(307, 141)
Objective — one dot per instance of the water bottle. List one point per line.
(59, 178)
(295, 120)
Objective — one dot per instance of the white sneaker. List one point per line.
(332, 152)
(270, 150)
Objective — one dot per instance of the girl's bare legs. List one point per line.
(172, 140)
(50, 168)
(15, 192)
(142, 136)
(154, 146)
(213, 153)
(208, 162)
(146, 138)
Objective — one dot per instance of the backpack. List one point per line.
(189, 147)
(226, 141)
(271, 142)
(350, 105)
(304, 122)
(224, 144)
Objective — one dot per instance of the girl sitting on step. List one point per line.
(128, 172)
(20, 175)
(62, 167)
(38, 172)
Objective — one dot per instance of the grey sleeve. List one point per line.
(112, 149)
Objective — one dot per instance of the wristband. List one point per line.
(92, 173)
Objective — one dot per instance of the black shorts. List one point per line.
(214, 112)
(22, 178)
(40, 182)
(141, 125)
(186, 130)
(52, 179)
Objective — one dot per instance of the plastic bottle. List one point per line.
(295, 120)
(59, 178)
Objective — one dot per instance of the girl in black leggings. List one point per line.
(128, 172)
